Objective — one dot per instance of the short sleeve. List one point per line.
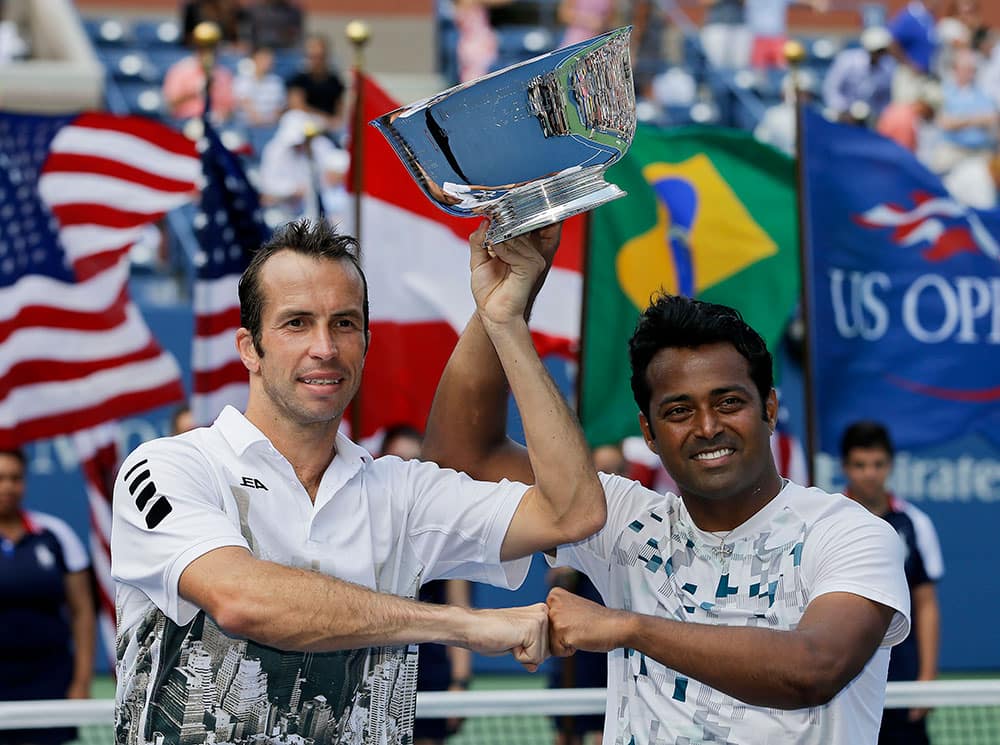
(927, 542)
(167, 512)
(75, 556)
(457, 525)
(856, 552)
(627, 500)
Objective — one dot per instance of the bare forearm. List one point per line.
(560, 458)
(729, 659)
(927, 627)
(83, 627)
(299, 610)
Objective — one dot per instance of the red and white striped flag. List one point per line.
(75, 193)
(416, 259)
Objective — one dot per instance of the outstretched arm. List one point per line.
(807, 666)
(299, 610)
(467, 426)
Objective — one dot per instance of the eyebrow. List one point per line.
(686, 397)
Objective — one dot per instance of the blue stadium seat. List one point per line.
(142, 98)
(108, 32)
(155, 33)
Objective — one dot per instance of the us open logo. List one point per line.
(143, 489)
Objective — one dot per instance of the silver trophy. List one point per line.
(525, 146)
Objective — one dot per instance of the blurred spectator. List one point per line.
(674, 87)
(302, 172)
(967, 119)
(260, 94)
(914, 45)
(777, 126)
(318, 89)
(47, 612)
(584, 19)
(648, 25)
(13, 46)
(182, 420)
(184, 90)
(863, 75)
(274, 23)
(724, 36)
(477, 45)
(767, 21)
(952, 37)
(989, 70)
(906, 122)
(226, 13)
(969, 13)
(974, 182)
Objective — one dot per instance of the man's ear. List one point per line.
(771, 410)
(247, 350)
(647, 434)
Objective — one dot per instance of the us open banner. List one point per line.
(905, 303)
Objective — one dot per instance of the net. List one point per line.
(964, 712)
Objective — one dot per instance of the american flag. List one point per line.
(75, 192)
(229, 228)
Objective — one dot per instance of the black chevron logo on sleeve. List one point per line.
(141, 486)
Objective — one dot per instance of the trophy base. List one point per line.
(540, 203)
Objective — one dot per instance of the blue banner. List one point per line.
(904, 287)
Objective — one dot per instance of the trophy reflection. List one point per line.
(525, 146)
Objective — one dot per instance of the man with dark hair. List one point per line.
(266, 565)
(745, 608)
(318, 89)
(867, 453)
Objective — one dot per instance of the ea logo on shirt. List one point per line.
(44, 556)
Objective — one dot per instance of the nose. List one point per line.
(323, 344)
(706, 423)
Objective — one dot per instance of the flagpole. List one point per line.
(585, 288)
(795, 53)
(358, 34)
(207, 36)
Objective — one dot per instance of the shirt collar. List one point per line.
(240, 433)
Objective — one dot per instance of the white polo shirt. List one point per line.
(387, 524)
(651, 558)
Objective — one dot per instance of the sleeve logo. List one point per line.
(143, 489)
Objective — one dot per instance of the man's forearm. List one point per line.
(927, 627)
(299, 610)
(560, 458)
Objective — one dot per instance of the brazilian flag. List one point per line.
(710, 213)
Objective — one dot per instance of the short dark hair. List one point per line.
(314, 239)
(673, 321)
(17, 453)
(400, 430)
(866, 434)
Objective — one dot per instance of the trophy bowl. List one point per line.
(525, 146)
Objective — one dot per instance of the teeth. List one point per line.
(321, 381)
(721, 452)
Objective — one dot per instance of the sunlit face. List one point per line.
(312, 337)
(707, 423)
(867, 471)
(11, 484)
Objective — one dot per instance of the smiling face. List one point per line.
(708, 426)
(312, 344)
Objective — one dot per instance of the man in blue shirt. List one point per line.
(968, 118)
(866, 456)
(861, 75)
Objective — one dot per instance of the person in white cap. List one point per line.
(778, 124)
(861, 75)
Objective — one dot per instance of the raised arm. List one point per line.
(567, 502)
(467, 426)
(299, 610)
(807, 666)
